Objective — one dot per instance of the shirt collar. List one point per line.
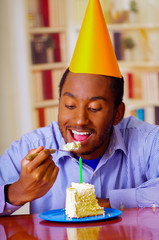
(117, 141)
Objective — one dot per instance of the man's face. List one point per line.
(86, 113)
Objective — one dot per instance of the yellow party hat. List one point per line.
(94, 52)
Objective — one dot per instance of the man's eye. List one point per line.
(70, 106)
(94, 109)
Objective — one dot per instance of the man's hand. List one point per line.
(104, 202)
(36, 178)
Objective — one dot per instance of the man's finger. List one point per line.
(33, 153)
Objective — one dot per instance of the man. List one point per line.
(128, 167)
(120, 156)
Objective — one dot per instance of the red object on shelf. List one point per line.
(47, 84)
(130, 85)
(41, 117)
(44, 8)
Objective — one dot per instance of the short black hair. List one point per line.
(117, 86)
(63, 80)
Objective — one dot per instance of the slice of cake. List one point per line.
(81, 201)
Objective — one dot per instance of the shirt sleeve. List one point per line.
(6, 208)
(10, 165)
(146, 195)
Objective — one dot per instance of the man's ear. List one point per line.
(119, 113)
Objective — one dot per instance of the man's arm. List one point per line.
(36, 178)
(145, 195)
(5, 208)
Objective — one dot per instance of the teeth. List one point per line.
(80, 133)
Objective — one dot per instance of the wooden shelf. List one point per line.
(139, 103)
(154, 65)
(48, 66)
(42, 30)
(127, 26)
(130, 26)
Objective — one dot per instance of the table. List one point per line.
(138, 223)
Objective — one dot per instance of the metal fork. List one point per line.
(33, 155)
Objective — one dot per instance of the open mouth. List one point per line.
(79, 136)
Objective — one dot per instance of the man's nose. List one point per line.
(81, 116)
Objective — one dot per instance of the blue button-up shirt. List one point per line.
(127, 174)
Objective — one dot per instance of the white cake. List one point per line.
(72, 146)
(81, 201)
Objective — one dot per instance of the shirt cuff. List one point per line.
(2, 199)
(123, 198)
(6, 208)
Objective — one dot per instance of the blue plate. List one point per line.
(59, 215)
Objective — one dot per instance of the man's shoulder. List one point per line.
(48, 137)
(44, 134)
(141, 139)
(132, 125)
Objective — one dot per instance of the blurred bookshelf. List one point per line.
(134, 31)
(47, 45)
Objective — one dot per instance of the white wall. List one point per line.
(15, 112)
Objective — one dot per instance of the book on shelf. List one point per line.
(56, 13)
(38, 49)
(123, 44)
(157, 115)
(116, 39)
(44, 116)
(148, 114)
(37, 83)
(56, 78)
(40, 117)
(142, 85)
(57, 47)
(140, 114)
(117, 45)
(79, 11)
(51, 114)
(46, 13)
(133, 85)
(137, 112)
(150, 83)
(53, 14)
(63, 47)
(34, 13)
(46, 84)
(137, 86)
(130, 85)
(46, 48)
